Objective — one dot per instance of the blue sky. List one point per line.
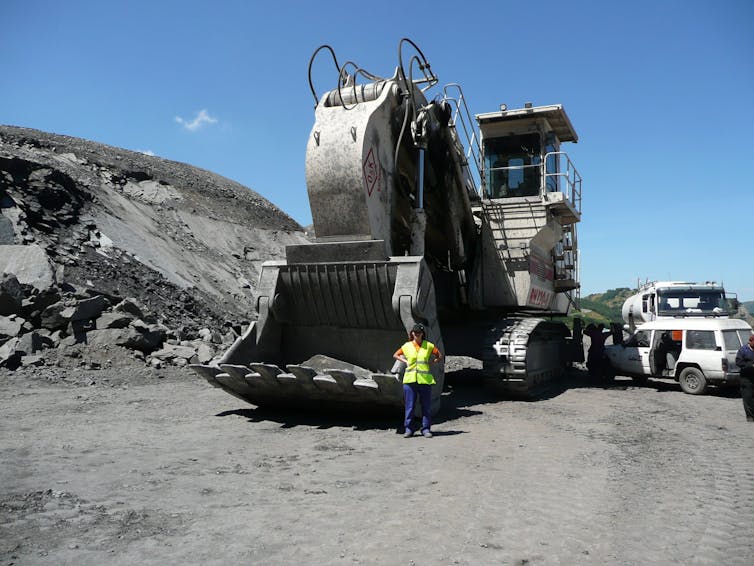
(660, 93)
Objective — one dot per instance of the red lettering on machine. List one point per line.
(539, 297)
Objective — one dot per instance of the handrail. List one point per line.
(572, 178)
(462, 115)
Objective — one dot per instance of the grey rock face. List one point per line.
(10, 357)
(89, 309)
(85, 226)
(29, 264)
(7, 233)
(10, 327)
(114, 320)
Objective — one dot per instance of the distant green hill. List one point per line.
(603, 307)
(749, 306)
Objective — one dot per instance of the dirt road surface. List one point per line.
(160, 468)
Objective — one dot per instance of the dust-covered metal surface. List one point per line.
(299, 385)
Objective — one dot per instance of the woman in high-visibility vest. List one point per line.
(417, 354)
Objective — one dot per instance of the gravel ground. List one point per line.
(141, 466)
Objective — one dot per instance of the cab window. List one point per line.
(512, 165)
(700, 339)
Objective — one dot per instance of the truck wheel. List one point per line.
(692, 381)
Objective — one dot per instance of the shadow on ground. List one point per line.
(464, 395)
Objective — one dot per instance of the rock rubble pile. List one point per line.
(109, 256)
(64, 325)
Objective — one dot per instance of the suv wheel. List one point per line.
(692, 381)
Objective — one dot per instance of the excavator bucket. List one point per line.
(326, 331)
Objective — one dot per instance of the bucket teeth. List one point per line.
(303, 374)
(390, 388)
(208, 373)
(299, 381)
(237, 372)
(268, 371)
(259, 382)
(366, 387)
(233, 381)
(265, 379)
(337, 381)
(343, 376)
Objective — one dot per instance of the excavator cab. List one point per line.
(531, 204)
(522, 157)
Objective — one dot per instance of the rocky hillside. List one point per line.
(85, 227)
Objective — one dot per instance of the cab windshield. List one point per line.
(512, 165)
(703, 302)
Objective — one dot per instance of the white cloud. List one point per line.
(201, 119)
(147, 152)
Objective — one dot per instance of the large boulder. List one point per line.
(7, 233)
(130, 306)
(106, 336)
(57, 315)
(113, 320)
(10, 327)
(29, 264)
(11, 294)
(172, 351)
(146, 337)
(10, 354)
(204, 353)
(88, 309)
(31, 342)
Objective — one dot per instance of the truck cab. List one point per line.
(695, 352)
(673, 299)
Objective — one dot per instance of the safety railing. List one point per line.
(468, 133)
(561, 174)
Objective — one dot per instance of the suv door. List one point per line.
(733, 339)
(700, 347)
(636, 355)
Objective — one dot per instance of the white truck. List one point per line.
(686, 334)
(673, 299)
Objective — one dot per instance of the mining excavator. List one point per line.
(421, 215)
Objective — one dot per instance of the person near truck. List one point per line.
(417, 354)
(745, 361)
(595, 358)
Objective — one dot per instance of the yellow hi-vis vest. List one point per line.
(417, 367)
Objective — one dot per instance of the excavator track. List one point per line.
(299, 385)
(524, 356)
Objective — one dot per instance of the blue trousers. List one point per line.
(410, 393)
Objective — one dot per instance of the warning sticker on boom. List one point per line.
(372, 176)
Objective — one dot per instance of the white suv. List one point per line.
(695, 352)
